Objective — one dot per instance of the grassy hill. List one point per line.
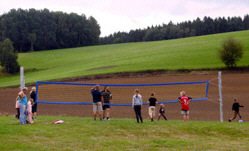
(121, 134)
(187, 53)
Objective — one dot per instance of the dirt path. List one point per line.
(234, 85)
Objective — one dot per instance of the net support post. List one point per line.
(22, 81)
(220, 96)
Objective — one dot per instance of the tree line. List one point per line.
(197, 27)
(43, 29)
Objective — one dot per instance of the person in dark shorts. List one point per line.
(34, 106)
(98, 102)
(185, 105)
(137, 105)
(107, 96)
(235, 109)
(152, 103)
(162, 112)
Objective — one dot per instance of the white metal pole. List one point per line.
(22, 81)
(220, 99)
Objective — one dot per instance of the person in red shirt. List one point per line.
(184, 100)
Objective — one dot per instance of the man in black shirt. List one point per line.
(152, 103)
(235, 109)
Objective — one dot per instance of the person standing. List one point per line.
(97, 102)
(29, 109)
(185, 105)
(34, 107)
(162, 112)
(235, 109)
(152, 106)
(23, 105)
(107, 96)
(17, 108)
(137, 105)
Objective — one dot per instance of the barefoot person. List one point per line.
(137, 105)
(185, 105)
(107, 96)
(235, 109)
(34, 106)
(23, 105)
(152, 103)
(97, 102)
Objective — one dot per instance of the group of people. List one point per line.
(152, 102)
(101, 105)
(26, 108)
(102, 100)
(152, 108)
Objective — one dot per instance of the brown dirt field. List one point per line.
(234, 86)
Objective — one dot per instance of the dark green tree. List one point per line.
(246, 22)
(153, 34)
(95, 30)
(117, 40)
(8, 57)
(32, 39)
(231, 52)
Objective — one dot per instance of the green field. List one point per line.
(186, 53)
(121, 134)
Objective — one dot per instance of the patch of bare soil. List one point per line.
(235, 85)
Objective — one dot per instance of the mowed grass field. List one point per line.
(186, 53)
(121, 134)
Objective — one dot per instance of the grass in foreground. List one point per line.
(121, 134)
(198, 52)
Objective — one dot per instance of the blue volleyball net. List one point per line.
(79, 93)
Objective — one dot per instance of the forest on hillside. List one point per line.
(197, 27)
(43, 29)
(35, 30)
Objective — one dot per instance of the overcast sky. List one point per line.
(123, 15)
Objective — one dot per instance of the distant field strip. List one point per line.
(186, 53)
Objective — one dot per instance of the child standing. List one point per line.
(29, 109)
(17, 109)
(235, 109)
(152, 103)
(34, 106)
(162, 112)
(137, 105)
(185, 105)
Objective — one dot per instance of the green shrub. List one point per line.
(231, 52)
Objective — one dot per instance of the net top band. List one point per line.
(122, 85)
